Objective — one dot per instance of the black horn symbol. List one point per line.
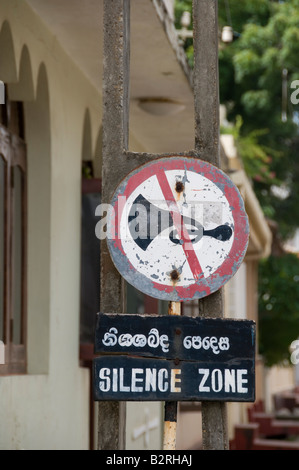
(146, 221)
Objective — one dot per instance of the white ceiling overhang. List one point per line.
(260, 239)
(156, 67)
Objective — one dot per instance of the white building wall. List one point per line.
(49, 407)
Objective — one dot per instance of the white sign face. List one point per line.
(178, 229)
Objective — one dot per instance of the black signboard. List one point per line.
(130, 378)
(176, 358)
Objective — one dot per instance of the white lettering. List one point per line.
(122, 387)
(162, 459)
(114, 380)
(241, 381)
(163, 376)
(229, 381)
(110, 338)
(2, 348)
(101, 229)
(294, 98)
(139, 380)
(295, 353)
(205, 373)
(138, 221)
(154, 339)
(216, 344)
(150, 379)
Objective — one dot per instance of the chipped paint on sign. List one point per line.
(178, 230)
(205, 358)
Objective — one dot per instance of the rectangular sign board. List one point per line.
(146, 379)
(165, 358)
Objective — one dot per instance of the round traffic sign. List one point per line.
(177, 229)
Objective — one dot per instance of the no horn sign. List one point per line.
(177, 229)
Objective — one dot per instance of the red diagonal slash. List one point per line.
(180, 226)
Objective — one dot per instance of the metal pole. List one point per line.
(112, 415)
(111, 419)
(207, 145)
(170, 407)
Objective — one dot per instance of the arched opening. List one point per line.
(90, 254)
(98, 154)
(37, 119)
(8, 65)
(13, 215)
(90, 247)
(87, 138)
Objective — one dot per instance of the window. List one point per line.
(12, 238)
(90, 278)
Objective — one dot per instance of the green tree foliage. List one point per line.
(250, 69)
(261, 62)
(278, 307)
(251, 84)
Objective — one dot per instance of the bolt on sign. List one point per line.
(177, 229)
(173, 358)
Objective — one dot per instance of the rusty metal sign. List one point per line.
(156, 358)
(177, 229)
